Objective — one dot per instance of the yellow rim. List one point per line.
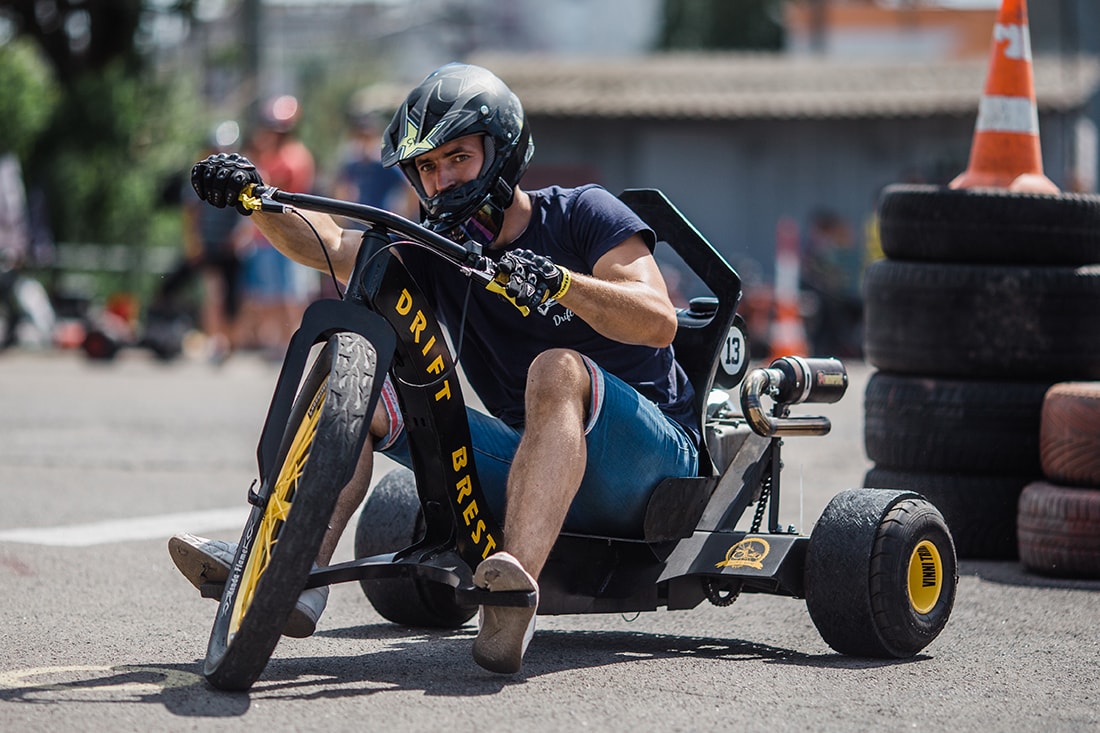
(925, 577)
(278, 506)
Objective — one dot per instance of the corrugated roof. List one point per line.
(735, 86)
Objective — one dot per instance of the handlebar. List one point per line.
(467, 257)
(274, 200)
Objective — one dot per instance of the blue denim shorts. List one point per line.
(631, 445)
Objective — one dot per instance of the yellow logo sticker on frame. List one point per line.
(748, 553)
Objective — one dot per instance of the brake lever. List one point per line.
(486, 273)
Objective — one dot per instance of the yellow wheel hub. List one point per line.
(925, 577)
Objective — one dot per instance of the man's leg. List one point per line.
(546, 473)
(349, 501)
(551, 458)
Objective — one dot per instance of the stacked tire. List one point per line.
(984, 301)
(1058, 523)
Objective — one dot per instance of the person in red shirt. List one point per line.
(276, 289)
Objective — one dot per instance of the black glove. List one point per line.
(220, 179)
(531, 279)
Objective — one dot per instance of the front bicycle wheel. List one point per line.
(280, 541)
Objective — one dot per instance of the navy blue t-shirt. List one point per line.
(574, 228)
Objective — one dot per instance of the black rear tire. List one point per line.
(881, 573)
(979, 509)
(280, 541)
(391, 520)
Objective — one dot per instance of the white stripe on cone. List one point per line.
(1007, 114)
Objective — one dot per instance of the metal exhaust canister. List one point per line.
(791, 380)
(810, 380)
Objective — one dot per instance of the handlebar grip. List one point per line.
(254, 198)
(494, 286)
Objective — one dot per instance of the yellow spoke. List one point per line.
(278, 507)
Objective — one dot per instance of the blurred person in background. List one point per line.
(27, 316)
(276, 290)
(832, 271)
(361, 176)
(213, 239)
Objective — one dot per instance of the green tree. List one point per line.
(116, 132)
(81, 37)
(29, 97)
(744, 25)
(115, 141)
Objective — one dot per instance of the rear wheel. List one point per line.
(880, 573)
(282, 537)
(392, 520)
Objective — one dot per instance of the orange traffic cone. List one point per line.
(788, 333)
(1006, 153)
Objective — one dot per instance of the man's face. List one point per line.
(451, 164)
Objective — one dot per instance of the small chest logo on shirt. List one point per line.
(564, 317)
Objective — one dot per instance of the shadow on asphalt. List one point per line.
(439, 664)
(434, 663)
(1014, 573)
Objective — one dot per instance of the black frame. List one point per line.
(691, 527)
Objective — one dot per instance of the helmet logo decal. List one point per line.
(409, 147)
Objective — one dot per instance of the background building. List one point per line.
(866, 93)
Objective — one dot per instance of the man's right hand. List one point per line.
(220, 179)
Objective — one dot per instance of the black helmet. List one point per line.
(453, 101)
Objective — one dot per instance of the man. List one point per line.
(590, 409)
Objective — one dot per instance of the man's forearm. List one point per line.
(294, 238)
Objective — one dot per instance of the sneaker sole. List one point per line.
(504, 631)
(194, 565)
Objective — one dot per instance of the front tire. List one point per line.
(317, 456)
(881, 573)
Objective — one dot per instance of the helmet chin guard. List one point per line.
(454, 101)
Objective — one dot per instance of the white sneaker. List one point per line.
(208, 561)
(202, 560)
(307, 611)
(504, 631)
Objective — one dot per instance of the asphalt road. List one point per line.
(100, 464)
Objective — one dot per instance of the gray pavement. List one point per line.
(99, 464)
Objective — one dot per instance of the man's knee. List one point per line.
(558, 374)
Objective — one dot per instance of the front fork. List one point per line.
(322, 320)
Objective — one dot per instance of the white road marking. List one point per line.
(81, 678)
(126, 530)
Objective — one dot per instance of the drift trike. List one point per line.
(878, 571)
